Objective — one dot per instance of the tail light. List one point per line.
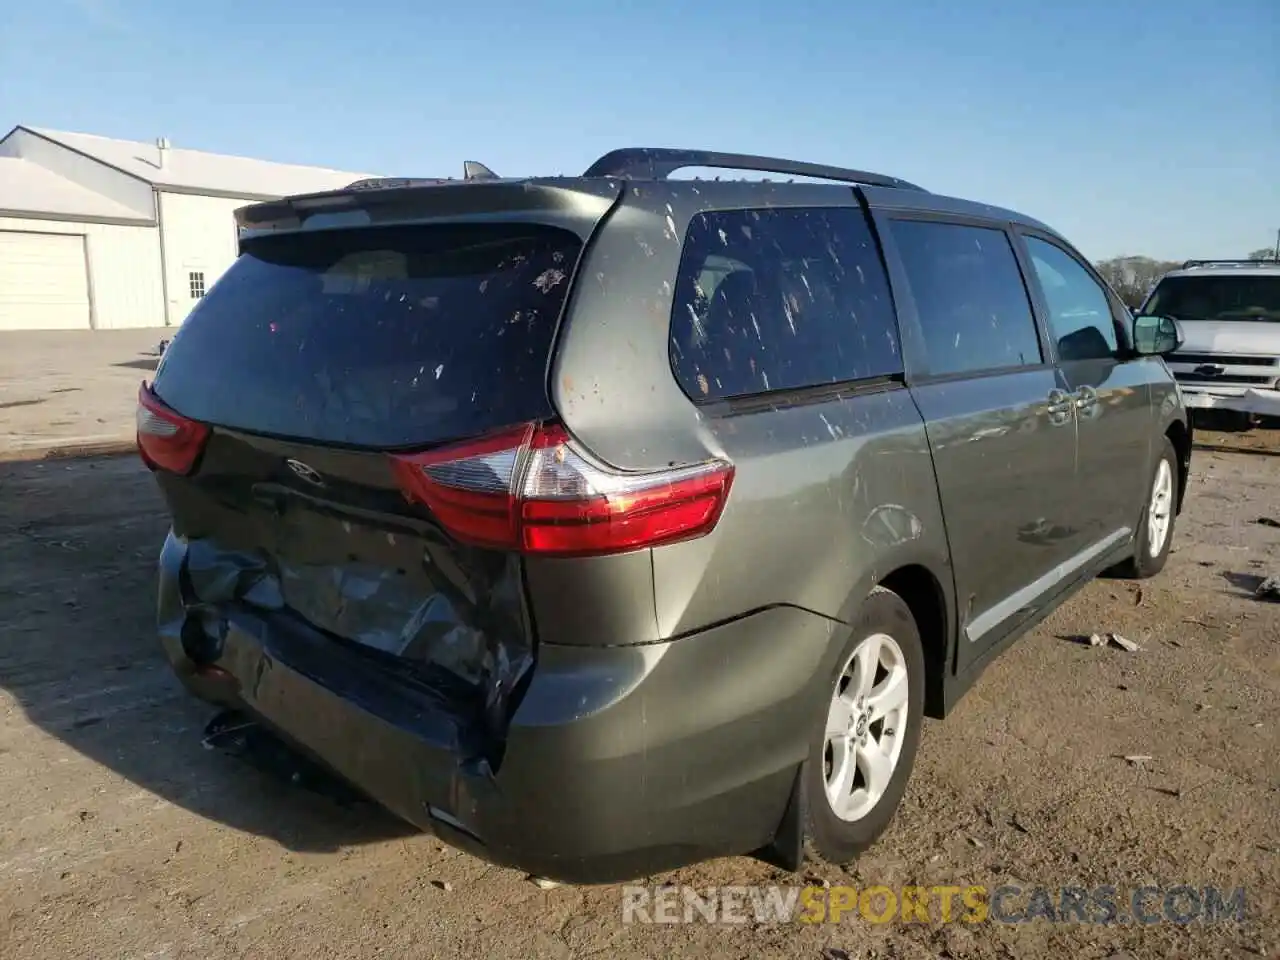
(166, 439)
(533, 489)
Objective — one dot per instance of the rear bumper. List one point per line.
(619, 762)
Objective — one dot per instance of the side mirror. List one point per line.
(1156, 336)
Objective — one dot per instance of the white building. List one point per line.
(100, 234)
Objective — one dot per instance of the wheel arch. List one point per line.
(929, 601)
(1179, 434)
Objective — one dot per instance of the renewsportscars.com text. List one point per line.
(974, 904)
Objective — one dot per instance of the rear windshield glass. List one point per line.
(382, 337)
(1221, 297)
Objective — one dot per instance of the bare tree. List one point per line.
(1264, 253)
(1133, 277)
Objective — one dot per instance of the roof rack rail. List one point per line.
(1236, 262)
(658, 163)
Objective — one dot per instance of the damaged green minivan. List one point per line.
(605, 524)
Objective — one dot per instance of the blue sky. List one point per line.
(1133, 126)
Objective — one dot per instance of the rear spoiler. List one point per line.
(369, 202)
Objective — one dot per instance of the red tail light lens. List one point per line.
(533, 489)
(166, 439)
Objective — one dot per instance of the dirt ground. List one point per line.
(72, 390)
(123, 837)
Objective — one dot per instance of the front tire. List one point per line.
(1154, 538)
(866, 738)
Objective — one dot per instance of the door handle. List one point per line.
(1059, 406)
(1086, 398)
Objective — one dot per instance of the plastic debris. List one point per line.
(544, 884)
(1102, 639)
(1137, 759)
(1269, 590)
(1127, 645)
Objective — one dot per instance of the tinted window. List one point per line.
(778, 299)
(1080, 317)
(973, 305)
(1219, 296)
(378, 337)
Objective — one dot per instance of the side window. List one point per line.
(973, 305)
(776, 299)
(1080, 316)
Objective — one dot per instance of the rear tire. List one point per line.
(1154, 539)
(867, 732)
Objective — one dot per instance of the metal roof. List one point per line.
(27, 188)
(194, 171)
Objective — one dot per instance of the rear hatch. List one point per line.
(336, 428)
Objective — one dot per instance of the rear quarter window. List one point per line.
(380, 337)
(780, 299)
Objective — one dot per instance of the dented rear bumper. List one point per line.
(618, 761)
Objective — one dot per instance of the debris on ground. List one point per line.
(1127, 645)
(1102, 639)
(544, 884)
(1268, 522)
(1268, 589)
(444, 885)
(1138, 759)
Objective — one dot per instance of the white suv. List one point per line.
(1229, 311)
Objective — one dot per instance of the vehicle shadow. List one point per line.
(142, 363)
(1246, 583)
(79, 657)
(1228, 448)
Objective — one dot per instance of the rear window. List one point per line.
(1255, 298)
(779, 299)
(384, 337)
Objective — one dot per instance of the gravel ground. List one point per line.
(124, 838)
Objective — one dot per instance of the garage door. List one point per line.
(43, 284)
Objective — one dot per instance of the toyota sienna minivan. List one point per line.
(605, 524)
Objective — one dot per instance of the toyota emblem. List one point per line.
(305, 472)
